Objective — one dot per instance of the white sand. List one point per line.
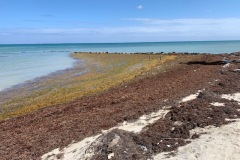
(81, 151)
(110, 155)
(190, 97)
(217, 104)
(73, 151)
(221, 143)
(226, 65)
(142, 122)
(235, 97)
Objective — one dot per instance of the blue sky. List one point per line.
(83, 21)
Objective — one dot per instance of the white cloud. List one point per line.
(140, 7)
(225, 27)
(186, 21)
(146, 30)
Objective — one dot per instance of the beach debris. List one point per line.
(178, 123)
(236, 70)
(226, 65)
(111, 155)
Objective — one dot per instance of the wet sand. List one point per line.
(32, 135)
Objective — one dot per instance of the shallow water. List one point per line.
(19, 64)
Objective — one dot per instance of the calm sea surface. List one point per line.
(19, 63)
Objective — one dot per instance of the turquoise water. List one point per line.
(19, 63)
(199, 47)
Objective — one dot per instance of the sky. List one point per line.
(100, 21)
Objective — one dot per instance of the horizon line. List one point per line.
(116, 42)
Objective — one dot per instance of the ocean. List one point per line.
(23, 62)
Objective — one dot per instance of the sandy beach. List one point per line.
(176, 106)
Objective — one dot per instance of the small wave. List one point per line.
(30, 52)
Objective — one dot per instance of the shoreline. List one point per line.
(74, 66)
(75, 80)
(57, 72)
(54, 73)
(40, 78)
(37, 133)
